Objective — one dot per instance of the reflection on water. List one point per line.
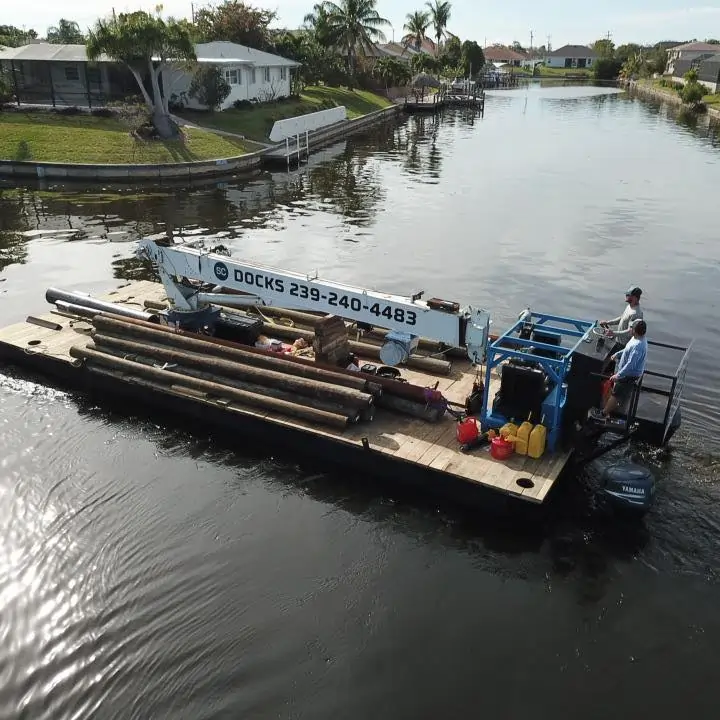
(147, 572)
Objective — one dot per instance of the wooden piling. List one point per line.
(261, 376)
(211, 389)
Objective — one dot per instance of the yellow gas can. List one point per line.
(536, 442)
(509, 428)
(523, 437)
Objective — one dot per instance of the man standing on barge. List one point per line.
(632, 312)
(630, 368)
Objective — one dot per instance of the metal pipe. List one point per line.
(53, 295)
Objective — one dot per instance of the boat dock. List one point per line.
(445, 97)
(391, 429)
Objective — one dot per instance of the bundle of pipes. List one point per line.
(216, 370)
(370, 350)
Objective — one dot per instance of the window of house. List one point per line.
(267, 74)
(253, 79)
(71, 72)
(232, 77)
(283, 73)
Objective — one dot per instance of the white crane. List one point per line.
(407, 318)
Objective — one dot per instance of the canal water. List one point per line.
(147, 573)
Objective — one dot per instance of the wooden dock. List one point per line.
(445, 97)
(390, 442)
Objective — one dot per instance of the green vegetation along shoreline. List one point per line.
(83, 138)
(256, 120)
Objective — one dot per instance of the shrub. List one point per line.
(243, 105)
(102, 112)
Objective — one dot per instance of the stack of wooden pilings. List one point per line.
(225, 373)
(330, 342)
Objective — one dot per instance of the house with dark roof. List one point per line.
(687, 52)
(571, 56)
(707, 67)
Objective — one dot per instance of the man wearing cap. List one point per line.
(630, 368)
(633, 311)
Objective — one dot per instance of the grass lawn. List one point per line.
(256, 122)
(87, 139)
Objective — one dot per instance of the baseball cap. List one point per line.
(634, 290)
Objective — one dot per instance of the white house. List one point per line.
(252, 74)
(571, 56)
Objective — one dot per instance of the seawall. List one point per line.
(645, 91)
(185, 170)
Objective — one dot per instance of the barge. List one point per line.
(247, 350)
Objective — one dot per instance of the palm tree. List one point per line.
(416, 25)
(355, 25)
(145, 43)
(317, 21)
(439, 18)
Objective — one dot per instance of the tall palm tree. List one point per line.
(355, 26)
(439, 18)
(317, 21)
(416, 25)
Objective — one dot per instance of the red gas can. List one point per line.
(500, 448)
(467, 430)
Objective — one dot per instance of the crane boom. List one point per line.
(410, 316)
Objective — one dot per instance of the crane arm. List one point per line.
(467, 327)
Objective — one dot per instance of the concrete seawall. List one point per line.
(185, 170)
(644, 91)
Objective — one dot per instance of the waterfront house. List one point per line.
(252, 74)
(707, 67)
(686, 53)
(571, 56)
(48, 74)
(499, 55)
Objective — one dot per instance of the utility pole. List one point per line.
(531, 39)
(548, 48)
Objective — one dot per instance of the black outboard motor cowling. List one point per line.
(628, 486)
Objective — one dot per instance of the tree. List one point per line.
(317, 22)
(146, 44)
(209, 86)
(451, 55)
(416, 25)
(11, 36)
(66, 32)
(439, 18)
(391, 71)
(627, 51)
(604, 48)
(236, 22)
(355, 25)
(472, 58)
(422, 62)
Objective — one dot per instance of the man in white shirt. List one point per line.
(632, 312)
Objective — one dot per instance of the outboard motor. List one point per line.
(628, 486)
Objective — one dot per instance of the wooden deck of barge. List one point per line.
(411, 441)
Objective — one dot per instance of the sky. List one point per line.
(565, 22)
